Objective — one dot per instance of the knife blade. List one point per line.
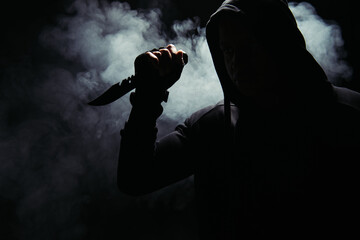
(115, 92)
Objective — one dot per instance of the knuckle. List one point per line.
(162, 62)
(151, 56)
(148, 54)
(166, 55)
(172, 48)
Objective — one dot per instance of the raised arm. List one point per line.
(145, 164)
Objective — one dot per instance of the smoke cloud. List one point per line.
(59, 155)
(324, 41)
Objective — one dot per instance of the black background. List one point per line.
(21, 23)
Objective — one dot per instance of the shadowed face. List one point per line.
(247, 63)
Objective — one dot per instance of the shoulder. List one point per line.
(213, 113)
(346, 118)
(210, 117)
(347, 97)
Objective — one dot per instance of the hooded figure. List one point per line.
(277, 158)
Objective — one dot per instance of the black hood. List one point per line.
(274, 25)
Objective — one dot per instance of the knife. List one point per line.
(115, 92)
(118, 90)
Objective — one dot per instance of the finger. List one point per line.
(185, 57)
(157, 54)
(172, 49)
(180, 58)
(166, 54)
(166, 63)
(153, 58)
(166, 60)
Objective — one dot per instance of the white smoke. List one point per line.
(106, 40)
(324, 41)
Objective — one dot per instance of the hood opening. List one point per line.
(273, 24)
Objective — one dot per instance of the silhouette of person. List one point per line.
(278, 157)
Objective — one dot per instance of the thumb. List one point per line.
(181, 58)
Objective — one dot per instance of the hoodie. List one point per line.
(288, 172)
(272, 23)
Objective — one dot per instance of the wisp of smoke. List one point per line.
(324, 41)
(60, 159)
(107, 40)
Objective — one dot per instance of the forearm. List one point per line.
(146, 163)
(137, 146)
(141, 169)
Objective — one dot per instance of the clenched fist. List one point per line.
(160, 68)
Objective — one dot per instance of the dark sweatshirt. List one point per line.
(290, 172)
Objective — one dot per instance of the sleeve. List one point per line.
(147, 164)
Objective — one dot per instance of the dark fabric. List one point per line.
(288, 174)
(291, 176)
(272, 22)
